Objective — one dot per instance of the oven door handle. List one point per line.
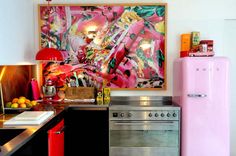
(144, 125)
(135, 123)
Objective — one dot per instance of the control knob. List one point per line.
(168, 114)
(174, 114)
(150, 115)
(156, 115)
(162, 114)
(122, 114)
(129, 114)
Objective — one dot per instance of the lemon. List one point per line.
(34, 103)
(21, 101)
(14, 105)
(22, 97)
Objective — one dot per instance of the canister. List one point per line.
(195, 39)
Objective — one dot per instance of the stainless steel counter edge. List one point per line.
(21, 139)
(89, 106)
(30, 131)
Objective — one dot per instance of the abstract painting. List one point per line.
(116, 46)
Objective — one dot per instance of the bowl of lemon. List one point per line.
(20, 103)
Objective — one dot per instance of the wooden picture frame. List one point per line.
(121, 46)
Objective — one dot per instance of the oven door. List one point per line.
(144, 138)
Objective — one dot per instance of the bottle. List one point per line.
(195, 41)
(99, 97)
(107, 99)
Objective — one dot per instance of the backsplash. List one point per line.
(15, 80)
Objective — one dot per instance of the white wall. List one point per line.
(19, 35)
(16, 32)
(230, 51)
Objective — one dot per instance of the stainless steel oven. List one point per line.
(144, 130)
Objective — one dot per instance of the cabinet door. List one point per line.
(56, 140)
(86, 131)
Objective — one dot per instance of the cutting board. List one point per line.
(29, 118)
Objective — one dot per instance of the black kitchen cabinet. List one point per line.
(38, 144)
(86, 131)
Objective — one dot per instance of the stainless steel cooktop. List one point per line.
(143, 108)
(142, 102)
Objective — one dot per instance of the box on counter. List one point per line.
(80, 93)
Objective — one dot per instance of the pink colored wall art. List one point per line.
(116, 46)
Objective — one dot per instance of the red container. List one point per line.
(209, 44)
(35, 89)
(184, 53)
(56, 140)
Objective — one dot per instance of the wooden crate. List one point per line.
(80, 93)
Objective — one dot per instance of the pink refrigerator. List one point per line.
(201, 88)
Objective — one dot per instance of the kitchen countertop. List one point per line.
(30, 131)
(59, 108)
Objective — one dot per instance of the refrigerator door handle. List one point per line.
(197, 95)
